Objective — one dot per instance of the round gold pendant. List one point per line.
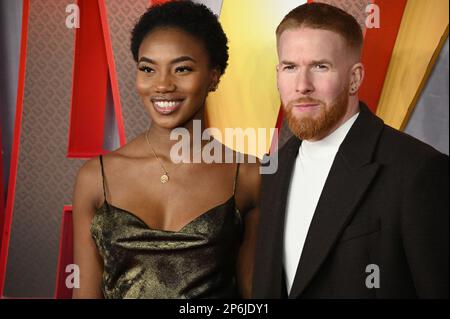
(164, 178)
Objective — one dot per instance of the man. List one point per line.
(356, 208)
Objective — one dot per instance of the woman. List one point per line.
(144, 226)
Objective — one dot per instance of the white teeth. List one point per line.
(166, 104)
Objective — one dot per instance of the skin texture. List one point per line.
(172, 65)
(318, 77)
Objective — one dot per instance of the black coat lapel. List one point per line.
(349, 178)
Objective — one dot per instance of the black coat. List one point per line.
(385, 202)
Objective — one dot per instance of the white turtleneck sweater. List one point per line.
(310, 172)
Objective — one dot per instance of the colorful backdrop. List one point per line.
(67, 94)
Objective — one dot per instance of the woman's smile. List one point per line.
(166, 106)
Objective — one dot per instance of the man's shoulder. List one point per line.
(401, 147)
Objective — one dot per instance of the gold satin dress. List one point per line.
(198, 261)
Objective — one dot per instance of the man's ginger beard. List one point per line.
(306, 127)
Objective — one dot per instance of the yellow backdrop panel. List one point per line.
(247, 96)
(423, 27)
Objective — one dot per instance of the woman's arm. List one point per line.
(88, 194)
(247, 197)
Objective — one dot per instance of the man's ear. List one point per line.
(356, 77)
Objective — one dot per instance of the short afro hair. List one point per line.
(193, 18)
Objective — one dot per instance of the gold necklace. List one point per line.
(164, 178)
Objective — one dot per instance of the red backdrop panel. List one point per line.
(7, 221)
(2, 189)
(65, 256)
(90, 76)
(377, 50)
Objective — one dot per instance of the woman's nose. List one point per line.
(164, 83)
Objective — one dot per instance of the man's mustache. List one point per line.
(305, 100)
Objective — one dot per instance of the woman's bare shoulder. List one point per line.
(89, 171)
(88, 185)
(249, 180)
(89, 191)
(249, 167)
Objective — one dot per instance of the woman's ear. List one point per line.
(215, 78)
(356, 78)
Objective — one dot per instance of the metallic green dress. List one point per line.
(199, 261)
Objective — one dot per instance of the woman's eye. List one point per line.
(183, 69)
(145, 69)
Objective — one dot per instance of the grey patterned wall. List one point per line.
(10, 30)
(429, 120)
(121, 17)
(214, 5)
(45, 176)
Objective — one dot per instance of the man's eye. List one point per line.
(288, 68)
(145, 69)
(321, 67)
(183, 69)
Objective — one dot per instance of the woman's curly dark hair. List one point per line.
(193, 18)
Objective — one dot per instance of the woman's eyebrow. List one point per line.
(145, 59)
(182, 59)
(176, 60)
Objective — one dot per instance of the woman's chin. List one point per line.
(173, 120)
(170, 122)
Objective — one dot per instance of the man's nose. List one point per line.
(304, 84)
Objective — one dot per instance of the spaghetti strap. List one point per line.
(236, 178)
(103, 178)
